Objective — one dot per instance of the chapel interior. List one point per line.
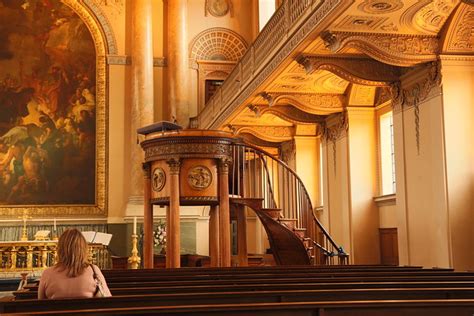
(237, 133)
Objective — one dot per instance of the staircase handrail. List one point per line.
(279, 161)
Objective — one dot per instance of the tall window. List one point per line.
(387, 154)
(266, 8)
(321, 175)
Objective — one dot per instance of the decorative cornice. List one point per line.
(397, 50)
(291, 114)
(268, 133)
(312, 103)
(355, 70)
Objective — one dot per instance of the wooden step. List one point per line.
(288, 222)
(301, 232)
(274, 213)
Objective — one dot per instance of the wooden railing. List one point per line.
(285, 22)
(257, 174)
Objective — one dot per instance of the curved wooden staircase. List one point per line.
(278, 197)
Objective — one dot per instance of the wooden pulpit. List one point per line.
(187, 167)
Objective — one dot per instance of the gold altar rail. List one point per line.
(291, 24)
(37, 255)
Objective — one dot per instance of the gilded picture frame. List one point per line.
(97, 207)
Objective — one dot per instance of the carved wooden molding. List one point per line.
(397, 50)
(355, 70)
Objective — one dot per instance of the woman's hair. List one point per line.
(72, 252)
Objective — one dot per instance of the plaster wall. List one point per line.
(425, 185)
(363, 185)
(458, 113)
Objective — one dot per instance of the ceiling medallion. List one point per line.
(158, 179)
(199, 177)
(380, 6)
(218, 8)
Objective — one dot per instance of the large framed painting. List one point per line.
(52, 110)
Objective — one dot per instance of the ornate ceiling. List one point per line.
(353, 62)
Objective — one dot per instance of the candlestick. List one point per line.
(134, 225)
(134, 259)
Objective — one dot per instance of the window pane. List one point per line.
(387, 154)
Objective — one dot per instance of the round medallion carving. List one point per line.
(158, 179)
(218, 7)
(199, 177)
(380, 6)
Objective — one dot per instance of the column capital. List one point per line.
(146, 167)
(174, 164)
(223, 164)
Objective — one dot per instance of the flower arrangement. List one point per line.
(159, 234)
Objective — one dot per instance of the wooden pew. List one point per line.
(247, 297)
(342, 308)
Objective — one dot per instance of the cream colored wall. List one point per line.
(307, 164)
(363, 185)
(425, 194)
(338, 204)
(458, 113)
(388, 216)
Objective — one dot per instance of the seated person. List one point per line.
(72, 276)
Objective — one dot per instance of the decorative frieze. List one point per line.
(397, 50)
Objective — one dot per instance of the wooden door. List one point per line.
(388, 246)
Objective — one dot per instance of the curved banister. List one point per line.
(293, 197)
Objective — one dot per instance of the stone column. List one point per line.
(172, 218)
(178, 70)
(141, 113)
(214, 236)
(147, 220)
(224, 213)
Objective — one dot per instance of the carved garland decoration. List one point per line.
(404, 97)
(336, 131)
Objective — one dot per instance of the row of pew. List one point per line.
(289, 290)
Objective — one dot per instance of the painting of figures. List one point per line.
(47, 105)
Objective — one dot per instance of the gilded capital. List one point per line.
(146, 170)
(223, 165)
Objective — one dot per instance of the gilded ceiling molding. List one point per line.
(355, 70)
(380, 6)
(459, 36)
(106, 28)
(414, 89)
(336, 127)
(312, 103)
(267, 133)
(428, 16)
(288, 113)
(397, 50)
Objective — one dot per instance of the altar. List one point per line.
(35, 255)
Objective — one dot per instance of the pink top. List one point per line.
(56, 284)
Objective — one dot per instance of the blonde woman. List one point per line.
(72, 276)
